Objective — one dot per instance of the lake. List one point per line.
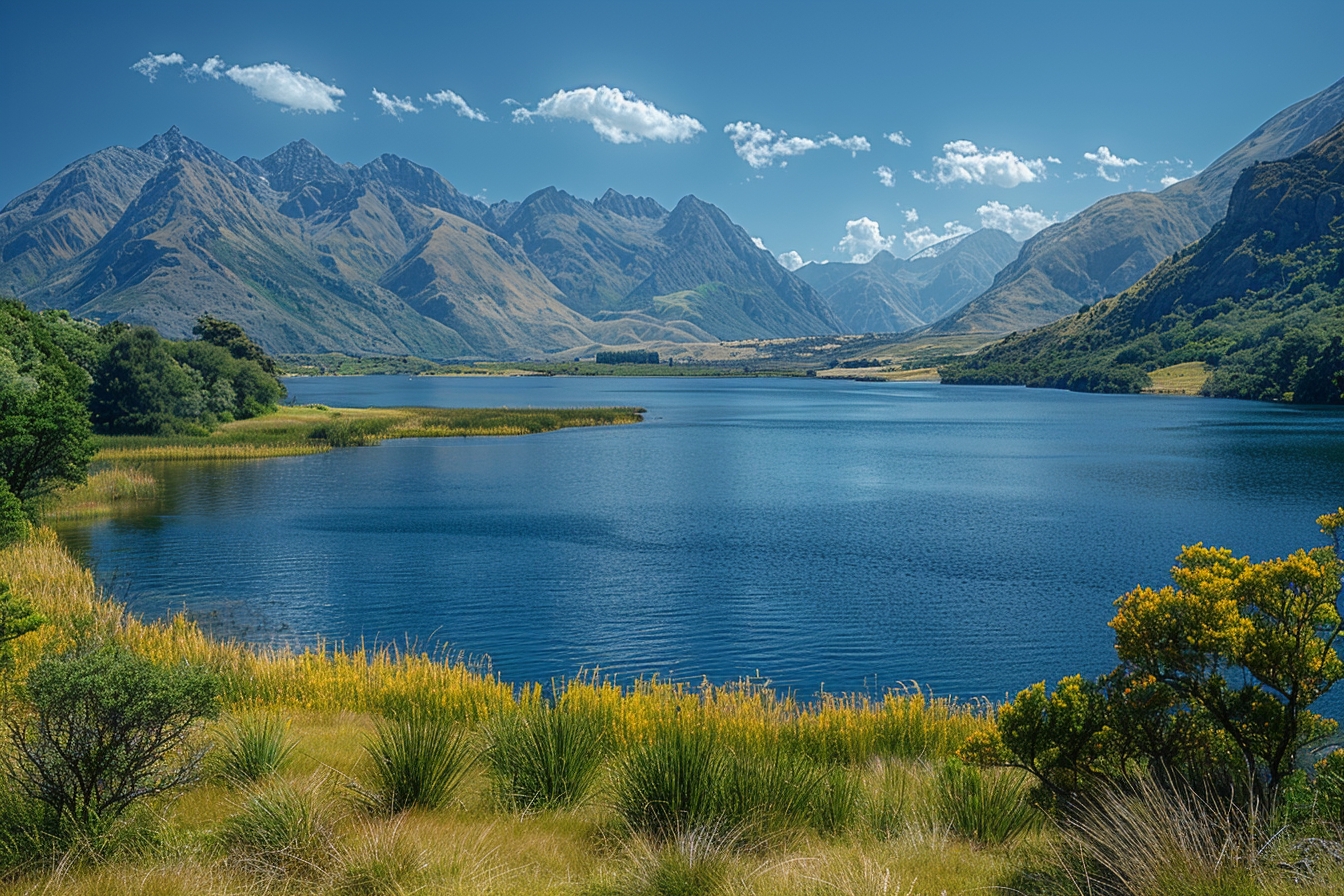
(821, 534)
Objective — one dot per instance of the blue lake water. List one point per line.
(828, 534)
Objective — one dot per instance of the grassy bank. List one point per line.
(774, 796)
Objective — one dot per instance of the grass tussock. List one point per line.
(415, 762)
(106, 492)
(251, 747)
(312, 429)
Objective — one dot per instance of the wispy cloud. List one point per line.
(964, 162)
(911, 215)
(886, 176)
(393, 105)
(863, 239)
(1106, 160)
(790, 260)
(447, 97)
(150, 65)
(1169, 180)
(923, 237)
(898, 138)
(617, 115)
(1019, 223)
(274, 82)
(759, 147)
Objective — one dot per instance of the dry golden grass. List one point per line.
(106, 492)
(1179, 379)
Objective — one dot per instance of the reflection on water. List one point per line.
(849, 535)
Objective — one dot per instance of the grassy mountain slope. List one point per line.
(1260, 300)
(1107, 247)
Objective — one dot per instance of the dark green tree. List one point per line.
(107, 729)
(228, 335)
(140, 388)
(44, 425)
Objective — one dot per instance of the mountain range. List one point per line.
(1259, 301)
(1107, 247)
(388, 258)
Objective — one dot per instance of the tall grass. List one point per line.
(673, 783)
(415, 762)
(545, 756)
(105, 492)
(987, 806)
(283, 831)
(251, 747)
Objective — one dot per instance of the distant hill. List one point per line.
(389, 258)
(892, 295)
(1260, 300)
(1107, 247)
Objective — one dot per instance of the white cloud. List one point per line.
(759, 147)
(898, 138)
(447, 97)
(211, 68)
(150, 65)
(760, 243)
(1169, 180)
(791, 260)
(886, 175)
(1019, 223)
(618, 116)
(911, 216)
(1106, 159)
(277, 83)
(962, 161)
(923, 237)
(863, 239)
(393, 105)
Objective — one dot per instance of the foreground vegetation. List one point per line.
(338, 770)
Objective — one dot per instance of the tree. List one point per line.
(107, 729)
(44, 425)
(140, 388)
(17, 618)
(1220, 670)
(228, 335)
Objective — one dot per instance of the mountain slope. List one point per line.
(1260, 299)
(891, 295)
(1107, 247)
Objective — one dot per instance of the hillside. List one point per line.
(389, 258)
(892, 295)
(1107, 247)
(1260, 301)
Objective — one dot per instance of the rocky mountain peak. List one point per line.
(629, 206)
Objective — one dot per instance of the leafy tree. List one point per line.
(140, 388)
(13, 521)
(44, 426)
(107, 728)
(17, 618)
(1219, 671)
(228, 335)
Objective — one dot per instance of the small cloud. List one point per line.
(886, 175)
(212, 68)
(863, 239)
(393, 105)
(150, 65)
(617, 116)
(1169, 181)
(790, 260)
(898, 138)
(1106, 159)
(759, 147)
(911, 216)
(923, 237)
(760, 243)
(1019, 223)
(277, 83)
(447, 97)
(964, 162)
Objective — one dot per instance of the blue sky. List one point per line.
(778, 113)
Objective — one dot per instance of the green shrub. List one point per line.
(14, 525)
(416, 761)
(251, 747)
(545, 756)
(984, 806)
(282, 831)
(17, 618)
(107, 730)
(673, 783)
(1328, 788)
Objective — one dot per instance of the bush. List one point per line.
(107, 729)
(14, 524)
(987, 807)
(252, 747)
(415, 762)
(282, 831)
(545, 756)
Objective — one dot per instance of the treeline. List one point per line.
(63, 379)
(631, 357)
